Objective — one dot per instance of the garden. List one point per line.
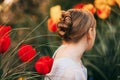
(28, 38)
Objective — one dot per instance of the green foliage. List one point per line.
(103, 60)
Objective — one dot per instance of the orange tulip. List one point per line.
(55, 13)
(52, 26)
(111, 2)
(103, 11)
(90, 7)
(118, 2)
(98, 3)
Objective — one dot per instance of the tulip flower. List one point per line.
(104, 11)
(4, 44)
(111, 2)
(26, 53)
(44, 64)
(55, 13)
(52, 26)
(4, 30)
(118, 2)
(90, 7)
(98, 3)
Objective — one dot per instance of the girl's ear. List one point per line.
(90, 38)
(90, 34)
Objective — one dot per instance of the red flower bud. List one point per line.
(26, 53)
(52, 26)
(44, 64)
(4, 30)
(4, 44)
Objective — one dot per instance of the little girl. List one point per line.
(77, 28)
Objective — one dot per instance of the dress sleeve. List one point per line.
(71, 74)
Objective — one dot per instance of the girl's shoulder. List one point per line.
(64, 67)
(66, 63)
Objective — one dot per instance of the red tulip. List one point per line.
(4, 44)
(52, 26)
(26, 53)
(44, 65)
(4, 30)
(78, 6)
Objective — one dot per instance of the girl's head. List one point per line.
(74, 24)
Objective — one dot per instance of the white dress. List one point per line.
(66, 69)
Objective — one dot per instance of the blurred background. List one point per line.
(38, 18)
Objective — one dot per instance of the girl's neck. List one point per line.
(74, 51)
